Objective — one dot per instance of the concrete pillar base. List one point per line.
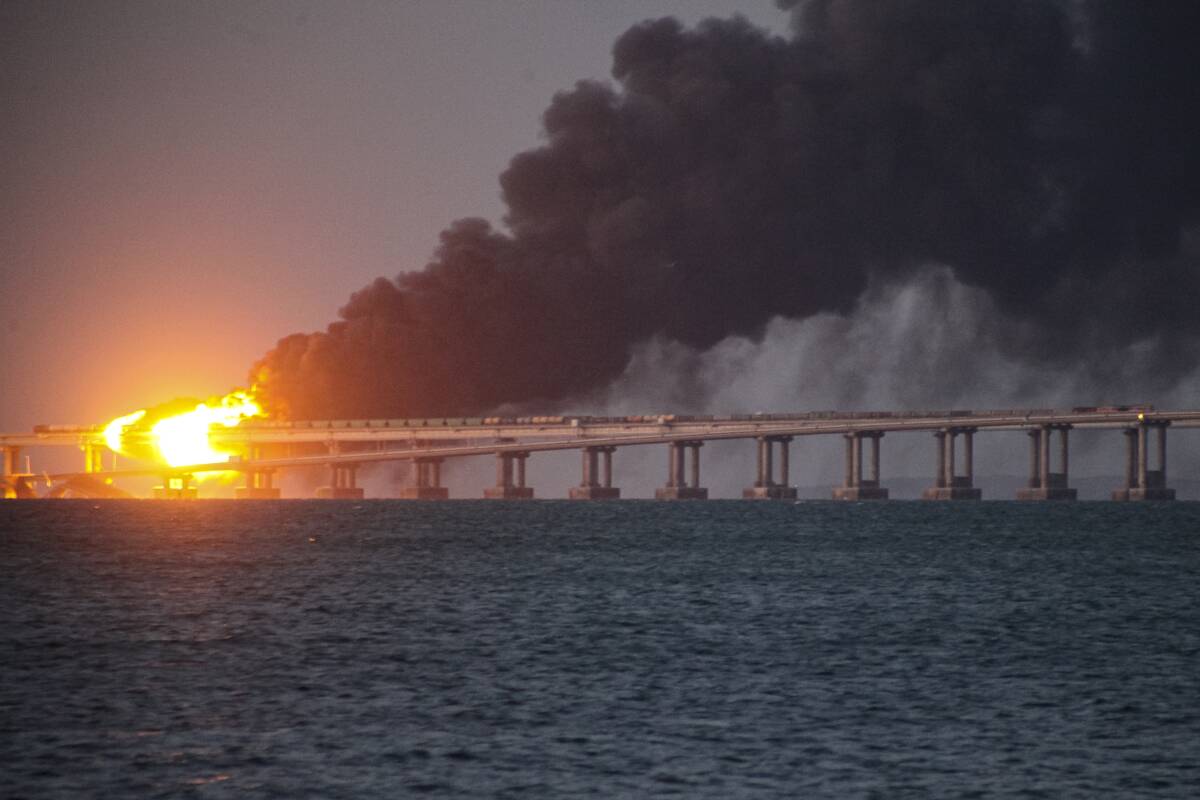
(256, 493)
(1138, 495)
(340, 493)
(425, 493)
(508, 493)
(594, 493)
(856, 493)
(952, 493)
(769, 493)
(681, 493)
(1051, 493)
(15, 488)
(168, 493)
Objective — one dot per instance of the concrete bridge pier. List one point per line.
(10, 456)
(14, 484)
(765, 486)
(259, 486)
(93, 457)
(950, 485)
(1044, 484)
(677, 487)
(1141, 482)
(176, 487)
(510, 478)
(259, 483)
(344, 483)
(596, 483)
(856, 487)
(428, 481)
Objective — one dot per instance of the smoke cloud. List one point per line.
(1041, 150)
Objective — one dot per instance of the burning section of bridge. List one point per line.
(178, 433)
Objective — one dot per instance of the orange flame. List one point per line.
(182, 439)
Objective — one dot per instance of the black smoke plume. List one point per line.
(1045, 151)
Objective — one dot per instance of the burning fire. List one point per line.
(181, 438)
(114, 429)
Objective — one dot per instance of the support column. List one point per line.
(596, 483)
(856, 487)
(1064, 455)
(875, 468)
(343, 483)
(510, 478)
(93, 457)
(951, 486)
(969, 456)
(175, 487)
(694, 483)
(1162, 450)
(1143, 472)
(1151, 483)
(1035, 458)
(13, 483)
(258, 482)
(1131, 453)
(503, 470)
(856, 468)
(949, 478)
(766, 487)
(849, 481)
(258, 486)
(1044, 477)
(784, 461)
(428, 479)
(768, 449)
(940, 436)
(1046, 484)
(12, 460)
(678, 488)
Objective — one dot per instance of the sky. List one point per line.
(185, 182)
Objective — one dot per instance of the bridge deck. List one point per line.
(566, 433)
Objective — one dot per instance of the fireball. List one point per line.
(180, 438)
(116, 429)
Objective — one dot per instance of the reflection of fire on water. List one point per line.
(177, 433)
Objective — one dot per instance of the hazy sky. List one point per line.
(185, 182)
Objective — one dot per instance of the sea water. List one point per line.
(556, 649)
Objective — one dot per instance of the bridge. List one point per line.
(344, 446)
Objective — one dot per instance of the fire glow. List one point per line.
(183, 439)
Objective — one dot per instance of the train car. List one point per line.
(67, 428)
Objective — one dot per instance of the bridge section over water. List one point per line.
(343, 446)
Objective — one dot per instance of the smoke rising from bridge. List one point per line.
(1041, 150)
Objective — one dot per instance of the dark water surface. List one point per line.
(549, 649)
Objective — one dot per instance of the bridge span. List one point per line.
(344, 446)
